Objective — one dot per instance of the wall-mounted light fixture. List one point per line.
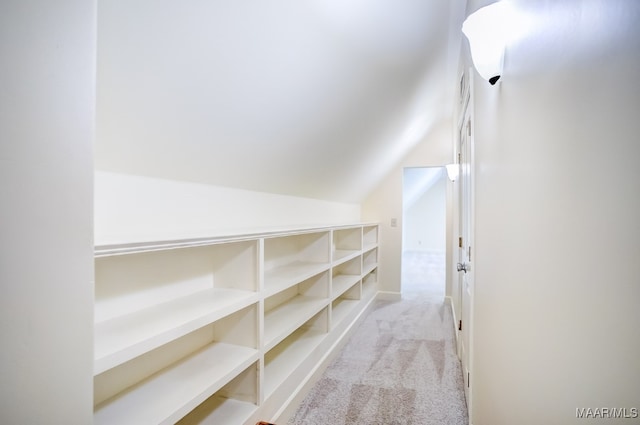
(452, 171)
(488, 30)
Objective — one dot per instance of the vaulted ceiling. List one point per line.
(316, 98)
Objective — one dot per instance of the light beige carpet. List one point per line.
(399, 367)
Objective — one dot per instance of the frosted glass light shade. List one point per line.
(487, 30)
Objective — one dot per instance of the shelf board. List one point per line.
(343, 255)
(368, 268)
(341, 283)
(369, 246)
(170, 394)
(287, 356)
(121, 339)
(219, 410)
(341, 309)
(146, 243)
(283, 277)
(284, 319)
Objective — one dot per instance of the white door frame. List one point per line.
(465, 153)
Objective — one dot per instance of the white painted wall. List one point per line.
(557, 208)
(424, 222)
(133, 208)
(47, 82)
(385, 203)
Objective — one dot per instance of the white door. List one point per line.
(465, 247)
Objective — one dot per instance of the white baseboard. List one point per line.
(455, 317)
(389, 296)
(449, 301)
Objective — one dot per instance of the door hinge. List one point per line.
(469, 254)
(469, 127)
(459, 157)
(459, 325)
(468, 380)
(460, 242)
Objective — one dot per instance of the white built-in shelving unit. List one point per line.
(223, 330)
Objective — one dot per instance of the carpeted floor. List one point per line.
(423, 273)
(399, 366)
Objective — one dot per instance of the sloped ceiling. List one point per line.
(416, 181)
(315, 98)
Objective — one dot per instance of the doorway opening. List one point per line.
(424, 209)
